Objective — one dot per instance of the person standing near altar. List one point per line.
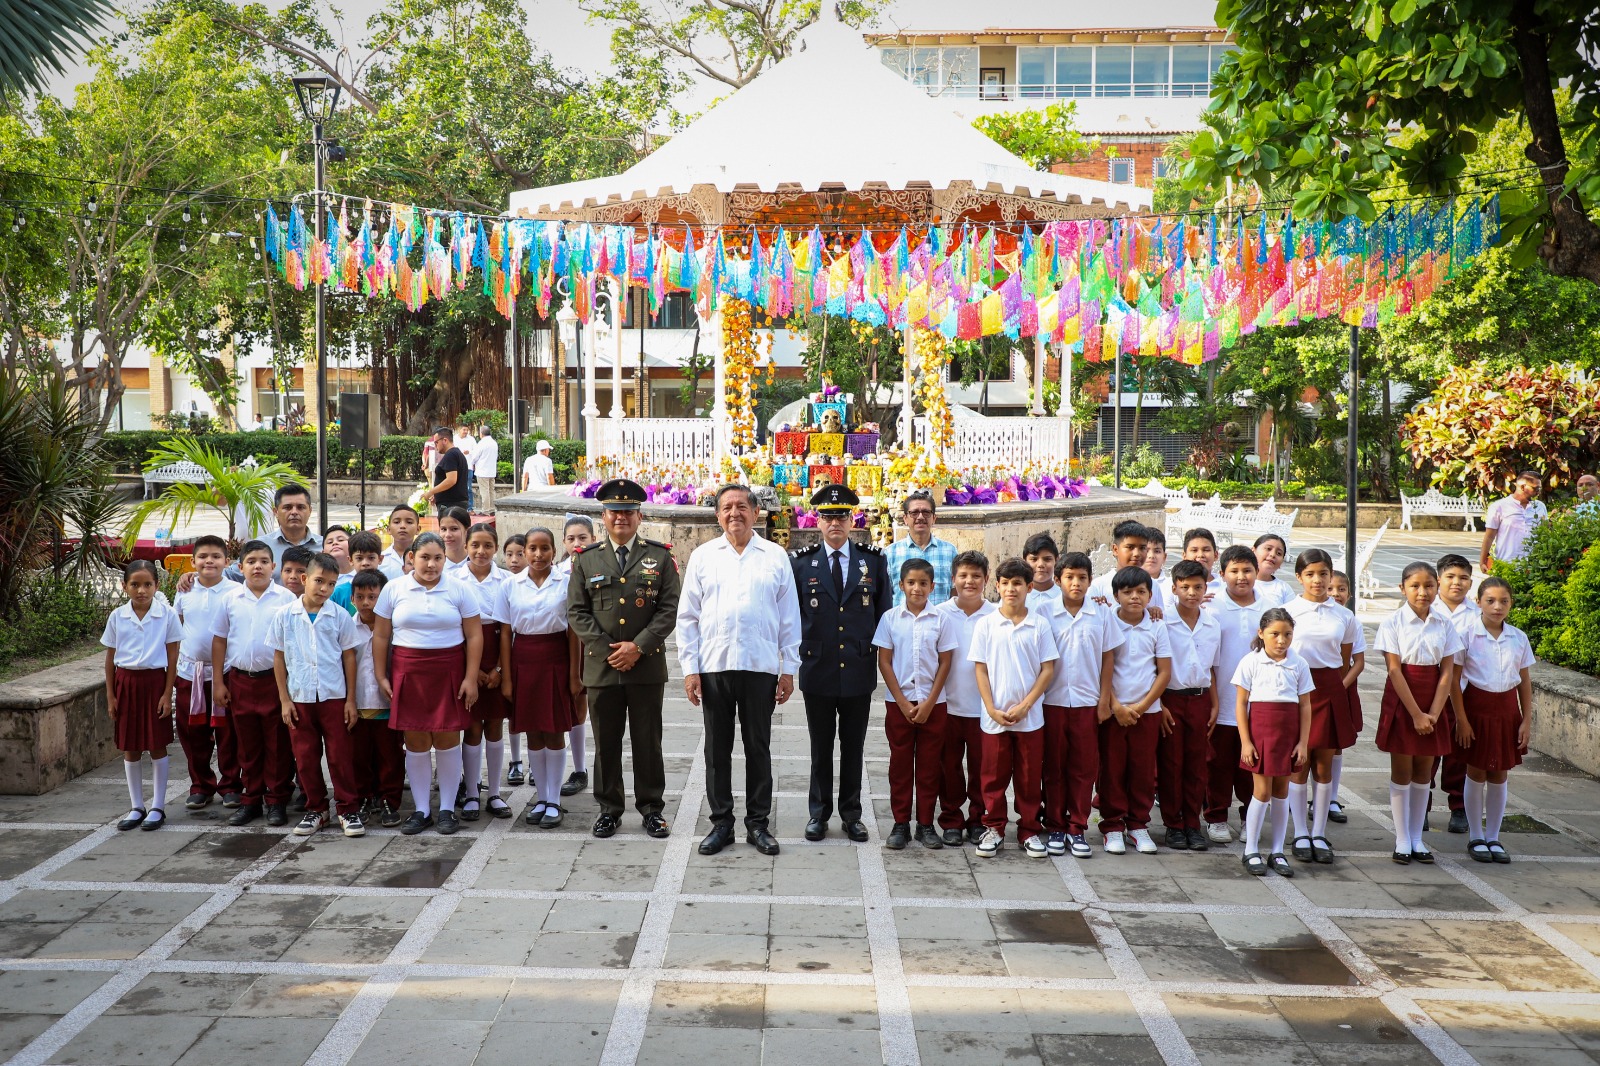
(920, 543)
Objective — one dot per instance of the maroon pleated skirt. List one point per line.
(1396, 735)
(1332, 725)
(1357, 718)
(491, 706)
(426, 683)
(1274, 730)
(541, 696)
(1495, 718)
(138, 726)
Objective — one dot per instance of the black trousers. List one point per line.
(846, 717)
(635, 710)
(749, 696)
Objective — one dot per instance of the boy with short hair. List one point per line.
(1188, 709)
(1015, 653)
(914, 659)
(1238, 613)
(1130, 546)
(1079, 699)
(314, 661)
(404, 524)
(377, 751)
(248, 690)
(1455, 603)
(1200, 545)
(292, 573)
(962, 774)
(366, 553)
(1155, 553)
(1128, 739)
(1040, 552)
(203, 727)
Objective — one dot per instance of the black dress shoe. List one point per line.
(576, 782)
(276, 815)
(134, 820)
(1177, 840)
(656, 826)
(856, 831)
(416, 823)
(928, 837)
(899, 837)
(953, 838)
(763, 841)
(606, 825)
(816, 829)
(514, 775)
(1336, 813)
(719, 837)
(974, 834)
(1458, 821)
(448, 822)
(297, 802)
(1197, 840)
(245, 814)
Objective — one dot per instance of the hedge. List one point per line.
(396, 457)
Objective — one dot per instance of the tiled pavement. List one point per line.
(200, 943)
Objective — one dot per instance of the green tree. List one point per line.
(38, 34)
(1040, 136)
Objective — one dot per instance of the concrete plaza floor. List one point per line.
(203, 943)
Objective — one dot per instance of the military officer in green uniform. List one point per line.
(622, 602)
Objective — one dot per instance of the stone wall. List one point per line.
(54, 727)
(1566, 716)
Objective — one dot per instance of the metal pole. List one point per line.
(319, 150)
(1116, 422)
(363, 484)
(1350, 478)
(516, 407)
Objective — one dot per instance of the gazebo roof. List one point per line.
(831, 118)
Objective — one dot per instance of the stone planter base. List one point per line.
(54, 727)
(1566, 716)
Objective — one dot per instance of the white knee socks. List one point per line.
(1472, 803)
(1400, 811)
(1495, 804)
(134, 772)
(1254, 816)
(158, 799)
(1419, 814)
(1280, 823)
(555, 760)
(580, 754)
(449, 762)
(472, 767)
(1321, 796)
(1338, 767)
(1297, 809)
(496, 752)
(419, 775)
(516, 747)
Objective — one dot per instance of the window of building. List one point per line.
(1150, 70)
(1113, 70)
(1162, 167)
(1191, 70)
(1122, 171)
(940, 71)
(1045, 72)
(1075, 71)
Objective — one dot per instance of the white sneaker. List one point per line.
(1080, 847)
(1218, 832)
(352, 825)
(1036, 848)
(313, 821)
(989, 844)
(1115, 844)
(1142, 841)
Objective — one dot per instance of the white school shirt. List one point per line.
(1461, 617)
(456, 564)
(534, 610)
(1275, 593)
(1134, 666)
(489, 590)
(961, 683)
(1194, 651)
(1270, 680)
(1494, 664)
(1082, 640)
(243, 623)
(313, 649)
(916, 641)
(141, 643)
(391, 565)
(1101, 587)
(1319, 631)
(1013, 652)
(1038, 598)
(1239, 624)
(424, 618)
(368, 695)
(1418, 641)
(486, 458)
(1511, 524)
(739, 610)
(199, 608)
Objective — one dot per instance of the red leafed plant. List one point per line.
(1479, 429)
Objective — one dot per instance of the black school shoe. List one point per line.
(134, 820)
(246, 814)
(416, 823)
(576, 782)
(953, 838)
(197, 801)
(1177, 839)
(1197, 840)
(448, 823)
(1458, 821)
(928, 837)
(276, 815)
(899, 837)
(514, 774)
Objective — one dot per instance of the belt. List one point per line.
(1186, 692)
(258, 674)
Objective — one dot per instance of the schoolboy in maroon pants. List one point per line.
(204, 729)
(1188, 709)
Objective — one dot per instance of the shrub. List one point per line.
(52, 613)
(1577, 642)
(1143, 461)
(1538, 580)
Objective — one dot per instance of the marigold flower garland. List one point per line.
(739, 370)
(933, 357)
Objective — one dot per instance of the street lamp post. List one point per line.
(318, 93)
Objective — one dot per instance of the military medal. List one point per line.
(639, 602)
(813, 601)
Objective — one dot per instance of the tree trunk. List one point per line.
(452, 388)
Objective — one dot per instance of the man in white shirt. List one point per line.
(485, 466)
(537, 469)
(1512, 520)
(466, 443)
(738, 644)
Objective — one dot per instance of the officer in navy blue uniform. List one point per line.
(844, 589)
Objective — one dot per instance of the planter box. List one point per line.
(1566, 716)
(54, 727)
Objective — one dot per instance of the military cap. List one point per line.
(835, 500)
(620, 494)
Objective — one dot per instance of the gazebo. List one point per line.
(828, 137)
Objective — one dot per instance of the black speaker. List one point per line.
(521, 416)
(358, 420)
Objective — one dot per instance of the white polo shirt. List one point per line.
(1512, 523)
(917, 641)
(1321, 630)
(1274, 593)
(392, 565)
(199, 608)
(1100, 588)
(243, 623)
(141, 643)
(961, 683)
(1417, 641)
(1270, 680)
(1195, 652)
(1495, 664)
(533, 609)
(1239, 624)
(1082, 641)
(1134, 666)
(489, 590)
(424, 618)
(1012, 652)
(369, 697)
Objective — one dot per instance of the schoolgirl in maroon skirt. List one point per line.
(543, 683)
(486, 731)
(1324, 636)
(1419, 646)
(431, 677)
(1492, 717)
(1273, 686)
(141, 639)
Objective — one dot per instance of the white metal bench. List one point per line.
(173, 473)
(1363, 577)
(1231, 525)
(1434, 502)
(1178, 497)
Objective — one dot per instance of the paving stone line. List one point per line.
(897, 1034)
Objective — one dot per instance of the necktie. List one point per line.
(622, 558)
(838, 573)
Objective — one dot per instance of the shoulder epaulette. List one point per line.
(807, 550)
(580, 549)
(657, 543)
(870, 549)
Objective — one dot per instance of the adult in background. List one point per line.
(920, 543)
(485, 467)
(291, 506)
(537, 469)
(623, 603)
(1512, 520)
(450, 473)
(843, 590)
(1588, 489)
(467, 443)
(738, 644)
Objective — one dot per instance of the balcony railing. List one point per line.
(1000, 92)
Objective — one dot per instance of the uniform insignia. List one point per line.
(579, 549)
(813, 601)
(649, 563)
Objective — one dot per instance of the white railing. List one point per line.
(1230, 525)
(1434, 502)
(1010, 441)
(1178, 497)
(663, 441)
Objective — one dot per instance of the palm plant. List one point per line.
(243, 491)
(38, 34)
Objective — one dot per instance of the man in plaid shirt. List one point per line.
(921, 544)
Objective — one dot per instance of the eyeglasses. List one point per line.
(919, 514)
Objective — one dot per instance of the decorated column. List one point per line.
(738, 361)
(908, 428)
(933, 362)
(1039, 353)
(591, 409)
(1064, 410)
(711, 336)
(618, 308)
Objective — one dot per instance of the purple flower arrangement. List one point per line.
(1048, 487)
